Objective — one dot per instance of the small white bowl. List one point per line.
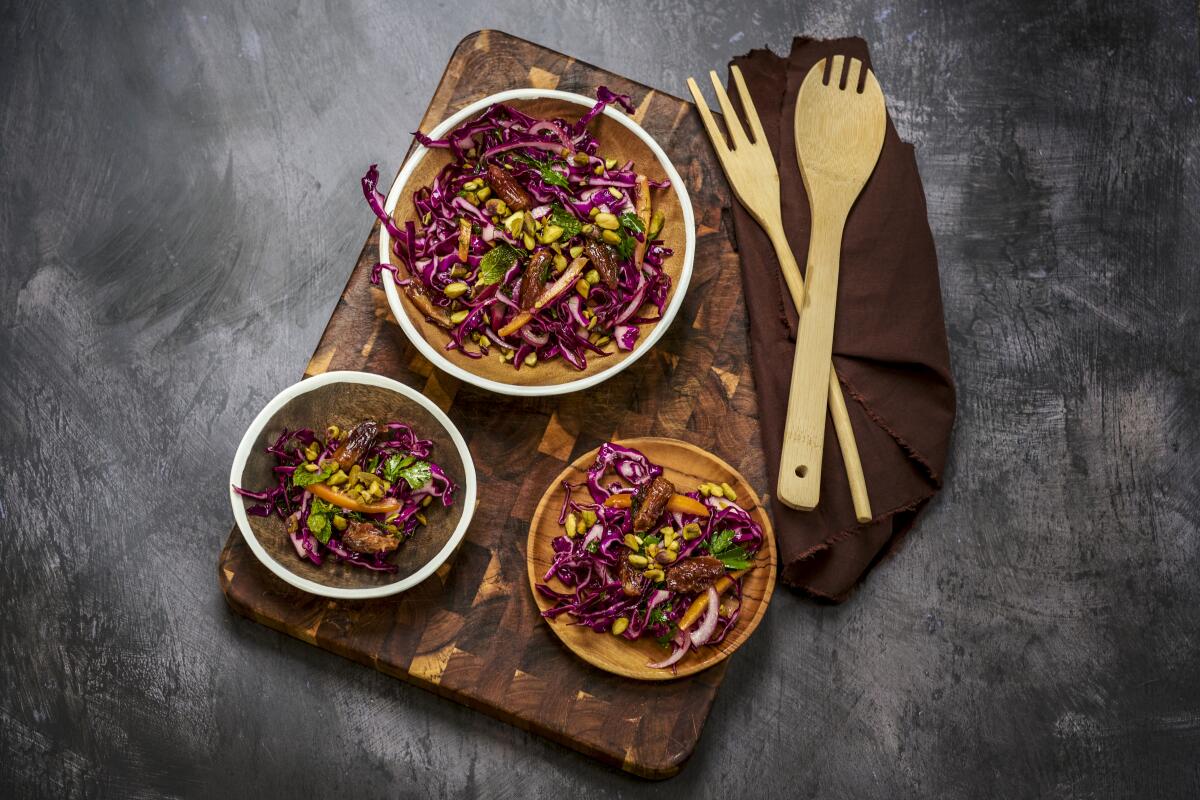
(441, 358)
(358, 395)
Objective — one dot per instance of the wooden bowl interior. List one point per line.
(344, 405)
(616, 141)
(686, 466)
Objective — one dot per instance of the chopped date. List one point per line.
(649, 503)
(694, 574)
(507, 189)
(534, 278)
(357, 442)
(604, 261)
(633, 580)
(362, 537)
(424, 303)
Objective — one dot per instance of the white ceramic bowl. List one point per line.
(364, 394)
(444, 360)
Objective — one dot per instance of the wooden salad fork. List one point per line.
(750, 168)
(839, 133)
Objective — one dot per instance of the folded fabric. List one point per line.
(889, 345)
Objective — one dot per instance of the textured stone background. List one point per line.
(179, 208)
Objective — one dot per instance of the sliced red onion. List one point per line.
(537, 340)
(705, 630)
(680, 652)
(298, 543)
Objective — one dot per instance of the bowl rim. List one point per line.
(439, 359)
(368, 379)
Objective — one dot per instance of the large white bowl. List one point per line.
(439, 357)
(338, 580)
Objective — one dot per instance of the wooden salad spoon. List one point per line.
(839, 133)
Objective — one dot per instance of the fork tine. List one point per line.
(748, 106)
(852, 75)
(710, 124)
(736, 134)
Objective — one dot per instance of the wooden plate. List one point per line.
(686, 466)
(620, 138)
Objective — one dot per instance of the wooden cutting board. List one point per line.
(472, 632)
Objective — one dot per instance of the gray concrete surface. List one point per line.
(179, 208)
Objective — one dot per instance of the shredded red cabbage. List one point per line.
(396, 456)
(588, 564)
(560, 167)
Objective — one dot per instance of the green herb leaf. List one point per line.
(720, 541)
(302, 477)
(549, 175)
(417, 474)
(495, 263)
(593, 546)
(320, 519)
(626, 247)
(564, 219)
(394, 463)
(631, 221)
(733, 556)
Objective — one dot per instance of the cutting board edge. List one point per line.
(650, 769)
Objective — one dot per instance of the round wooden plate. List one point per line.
(687, 466)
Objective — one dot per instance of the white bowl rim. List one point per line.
(439, 358)
(367, 379)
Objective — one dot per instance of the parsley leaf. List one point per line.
(593, 546)
(549, 174)
(632, 222)
(495, 263)
(626, 247)
(417, 474)
(302, 477)
(720, 541)
(733, 556)
(564, 219)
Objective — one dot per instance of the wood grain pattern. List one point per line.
(686, 466)
(472, 632)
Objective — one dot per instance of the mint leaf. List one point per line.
(549, 174)
(302, 477)
(632, 222)
(394, 463)
(417, 474)
(495, 263)
(320, 519)
(564, 219)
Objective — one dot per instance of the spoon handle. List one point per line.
(804, 431)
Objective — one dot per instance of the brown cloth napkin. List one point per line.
(889, 342)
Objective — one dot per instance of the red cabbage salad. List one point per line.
(640, 560)
(531, 244)
(354, 497)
